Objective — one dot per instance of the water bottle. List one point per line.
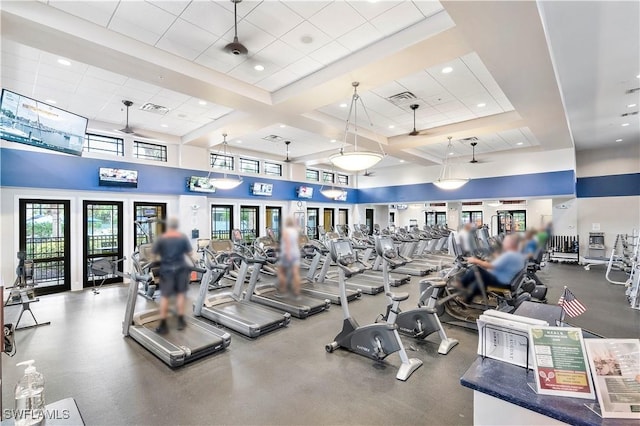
(29, 408)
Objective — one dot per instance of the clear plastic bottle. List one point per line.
(29, 408)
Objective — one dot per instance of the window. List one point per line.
(313, 175)
(249, 222)
(474, 217)
(436, 218)
(103, 144)
(272, 169)
(219, 161)
(249, 166)
(328, 177)
(149, 151)
(343, 179)
(221, 222)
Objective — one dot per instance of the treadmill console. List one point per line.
(342, 253)
(386, 249)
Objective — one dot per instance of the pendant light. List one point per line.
(225, 182)
(355, 160)
(445, 181)
(332, 192)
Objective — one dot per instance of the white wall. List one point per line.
(616, 159)
(565, 216)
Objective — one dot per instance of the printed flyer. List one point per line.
(560, 362)
(615, 364)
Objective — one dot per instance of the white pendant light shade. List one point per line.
(450, 184)
(331, 193)
(225, 183)
(355, 161)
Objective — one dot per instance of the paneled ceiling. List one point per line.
(458, 59)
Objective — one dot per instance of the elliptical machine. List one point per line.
(419, 322)
(375, 341)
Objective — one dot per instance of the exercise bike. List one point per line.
(419, 322)
(375, 341)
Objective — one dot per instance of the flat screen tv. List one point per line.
(305, 192)
(264, 189)
(200, 184)
(342, 197)
(118, 177)
(25, 120)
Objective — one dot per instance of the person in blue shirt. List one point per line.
(497, 273)
(530, 247)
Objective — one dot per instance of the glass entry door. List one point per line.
(150, 219)
(274, 219)
(312, 223)
(249, 222)
(328, 219)
(45, 237)
(221, 222)
(102, 230)
(368, 220)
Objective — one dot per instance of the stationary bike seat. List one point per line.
(398, 297)
(434, 282)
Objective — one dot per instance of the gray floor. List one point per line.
(285, 377)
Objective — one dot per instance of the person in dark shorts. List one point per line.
(172, 248)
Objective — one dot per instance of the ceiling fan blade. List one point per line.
(128, 130)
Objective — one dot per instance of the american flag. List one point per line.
(570, 305)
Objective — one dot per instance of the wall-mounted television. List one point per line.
(25, 120)
(342, 197)
(200, 184)
(263, 189)
(305, 192)
(118, 177)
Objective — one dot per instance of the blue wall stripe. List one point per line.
(42, 170)
(531, 185)
(609, 186)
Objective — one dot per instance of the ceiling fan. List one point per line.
(287, 160)
(368, 173)
(473, 147)
(128, 129)
(236, 48)
(415, 132)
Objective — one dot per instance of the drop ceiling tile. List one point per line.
(280, 53)
(209, 16)
(337, 19)
(216, 58)
(428, 7)
(16, 74)
(389, 89)
(277, 80)
(244, 7)
(399, 17)
(19, 50)
(421, 84)
(306, 8)
(97, 84)
(330, 53)
(138, 97)
(360, 37)
(175, 7)
(21, 64)
(370, 10)
(186, 40)
(313, 36)
(304, 66)
(142, 86)
(450, 106)
(50, 59)
(105, 75)
(253, 38)
(247, 73)
(274, 18)
(98, 12)
(141, 21)
(439, 99)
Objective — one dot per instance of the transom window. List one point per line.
(313, 175)
(103, 144)
(149, 151)
(272, 169)
(328, 177)
(343, 179)
(219, 161)
(249, 166)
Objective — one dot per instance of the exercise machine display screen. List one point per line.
(342, 249)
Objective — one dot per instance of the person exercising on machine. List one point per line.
(171, 248)
(289, 264)
(497, 273)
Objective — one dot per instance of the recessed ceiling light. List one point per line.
(451, 153)
(519, 143)
(625, 124)
(306, 39)
(202, 102)
(446, 70)
(333, 141)
(618, 140)
(238, 141)
(638, 76)
(631, 105)
(164, 125)
(259, 67)
(402, 161)
(481, 105)
(343, 105)
(391, 126)
(50, 101)
(64, 62)
(282, 126)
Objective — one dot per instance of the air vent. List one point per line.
(402, 99)
(471, 139)
(273, 138)
(472, 203)
(630, 91)
(156, 109)
(627, 114)
(514, 202)
(438, 204)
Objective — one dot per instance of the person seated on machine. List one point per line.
(497, 273)
(530, 245)
(171, 248)
(289, 262)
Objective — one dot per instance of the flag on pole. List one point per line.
(570, 305)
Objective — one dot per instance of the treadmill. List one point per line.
(364, 284)
(309, 287)
(231, 309)
(371, 271)
(176, 348)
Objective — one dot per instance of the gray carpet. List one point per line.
(285, 377)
